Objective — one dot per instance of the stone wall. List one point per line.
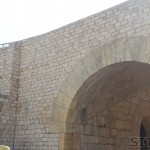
(9, 81)
(46, 61)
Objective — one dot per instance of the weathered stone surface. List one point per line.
(100, 57)
(113, 112)
(81, 71)
(110, 54)
(63, 100)
(89, 63)
(68, 89)
(41, 80)
(74, 80)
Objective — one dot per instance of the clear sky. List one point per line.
(20, 19)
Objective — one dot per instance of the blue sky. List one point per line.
(20, 19)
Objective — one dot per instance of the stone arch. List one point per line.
(109, 107)
(121, 50)
(135, 48)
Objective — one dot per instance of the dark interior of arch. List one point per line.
(106, 88)
(142, 137)
(145, 133)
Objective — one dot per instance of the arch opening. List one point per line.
(101, 113)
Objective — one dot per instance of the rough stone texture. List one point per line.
(9, 83)
(110, 107)
(40, 76)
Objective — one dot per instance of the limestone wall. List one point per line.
(9, 80)
(46, 61)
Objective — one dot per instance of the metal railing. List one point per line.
(4, 45)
